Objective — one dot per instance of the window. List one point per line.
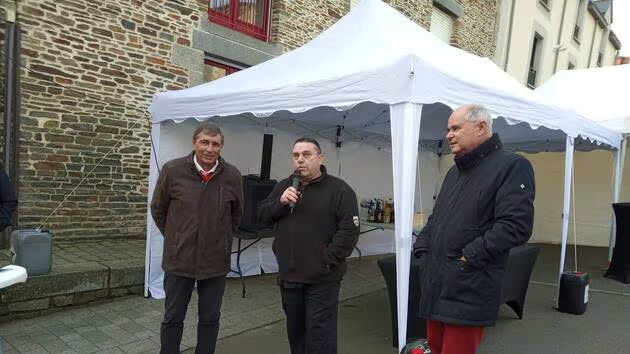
(250, 17)
(441, 25)
(544, 3)
(576, 32)
(213, 70)
(534, 61)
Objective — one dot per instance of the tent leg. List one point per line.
(405, 131)
(566, 207)
(153, 175)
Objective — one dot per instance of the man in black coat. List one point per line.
(317, 223)
(485, 207)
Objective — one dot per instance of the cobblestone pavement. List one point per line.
(70, 252)
(131, 325)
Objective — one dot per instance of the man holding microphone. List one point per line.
(317, 223)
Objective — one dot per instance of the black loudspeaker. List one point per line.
(255, 189)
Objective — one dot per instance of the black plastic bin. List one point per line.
(573, 296)
(416, 327)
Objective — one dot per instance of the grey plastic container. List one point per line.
(32, 249)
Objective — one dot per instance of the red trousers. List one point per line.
(445, 338)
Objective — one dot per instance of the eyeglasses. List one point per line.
(307, 155)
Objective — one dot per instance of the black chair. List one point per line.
(620, 264)
(416, 327)
(517, 273)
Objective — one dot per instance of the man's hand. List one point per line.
(290, 195)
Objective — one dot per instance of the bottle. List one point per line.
(387, 212)
(392, 217)
(364, 209)
(370, 216)
(380, 210)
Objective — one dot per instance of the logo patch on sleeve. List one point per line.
(355, 219)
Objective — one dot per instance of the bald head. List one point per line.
(468, 127)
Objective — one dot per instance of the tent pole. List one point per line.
(405, 133)
(566, 207)
(620, 157)
(153, 176)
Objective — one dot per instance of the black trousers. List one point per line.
(178, 292)
(311, 311)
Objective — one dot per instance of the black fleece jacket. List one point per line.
(313, 242)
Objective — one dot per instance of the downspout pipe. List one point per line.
(11, 105)
(509, 36)
(558, 40)
(590, 51)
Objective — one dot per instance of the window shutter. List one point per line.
(441, 25)
(354, 3)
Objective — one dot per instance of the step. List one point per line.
(83, 272)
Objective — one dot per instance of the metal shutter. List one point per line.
(441, 25)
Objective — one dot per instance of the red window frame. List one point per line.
(232, 21)
(228, 69)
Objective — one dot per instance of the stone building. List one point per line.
(88, 70)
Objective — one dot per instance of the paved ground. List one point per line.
(68, 253)
(602, 329)
(131, 325)
(255, 324)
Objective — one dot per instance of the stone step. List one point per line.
(82, 272)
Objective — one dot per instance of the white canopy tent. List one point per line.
(379, 75)
(599, 94)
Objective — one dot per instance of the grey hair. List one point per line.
(476, 113)
(210, 129)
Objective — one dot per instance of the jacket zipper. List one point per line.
(220, 203)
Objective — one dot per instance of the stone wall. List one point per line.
(474, 32)
(89, 71)
(295, 22)
(2, 74)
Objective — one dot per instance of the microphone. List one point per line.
(295, 184)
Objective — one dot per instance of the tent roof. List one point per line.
(376, 56)
(600, 94)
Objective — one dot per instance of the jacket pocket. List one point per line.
(329, 266)
(171, 245)
(226, 200)
(463, 283)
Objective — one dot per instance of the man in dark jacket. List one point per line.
(197, 204)
(317, 229)
(485, 207)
